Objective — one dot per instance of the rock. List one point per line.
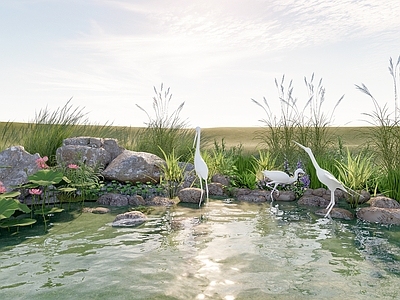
(16, 165)
(337, 213)
(312, 200)
(95, 210)
(94, 152)
(131, 218)
(112, 199)
(136, 200)
(285, 196)
(216, 189)
(252, 195)
(190, 195)
(361, 197)
(384, 202)
(379, 215)
(134, 167)
(160, 201)
(222, 179)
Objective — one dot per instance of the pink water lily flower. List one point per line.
(73, 166)
(41, 162)
(35, 191)
(2, 188)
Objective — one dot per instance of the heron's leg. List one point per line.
(205, 181)
(201, 187)
(330, 205)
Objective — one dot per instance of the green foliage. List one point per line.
(389, 183)
(8, 206)
(264, 161)
(128, 188)
(357, 170)
(172, 174)
(80, 182)
(165, 131)
(220, 159)
(244, 174)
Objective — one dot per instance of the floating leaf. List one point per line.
(17, 222)
(48, 210)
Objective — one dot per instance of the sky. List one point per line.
(214, 55)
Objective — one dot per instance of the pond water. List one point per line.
(221, 251)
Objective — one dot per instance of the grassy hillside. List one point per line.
(351, 137)
(232, 136)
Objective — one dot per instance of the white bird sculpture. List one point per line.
(279, 177)
(326, 178)
(200, 165)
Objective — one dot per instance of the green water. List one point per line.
(222, 251)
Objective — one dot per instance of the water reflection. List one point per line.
(225, 250)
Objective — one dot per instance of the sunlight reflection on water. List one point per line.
(223, 251)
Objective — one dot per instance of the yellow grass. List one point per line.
(352, 137)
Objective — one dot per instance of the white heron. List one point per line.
(279, 177)
(326, 178)
(200, 165)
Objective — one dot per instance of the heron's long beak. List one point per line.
(300, 145)
(195, 137)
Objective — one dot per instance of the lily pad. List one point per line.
(48, 210)
(16, 222)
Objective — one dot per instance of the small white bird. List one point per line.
(200, 165)
(279, 177)
(326, 178)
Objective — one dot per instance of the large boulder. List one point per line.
(384, 202)
(16, 165)
(94, 152)
(379, 215)
(134, 167)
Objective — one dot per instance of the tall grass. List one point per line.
(164, 129)
(384, 136)
(309, 125)
(47, 131)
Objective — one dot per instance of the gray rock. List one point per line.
(94, 152)
(216, 189)
(337, 213)
(134, 167)
(286, 196)
(190, 195)
(112, 199)
(218, 178)
(131, 218)
(252, 195)
(384, 202)
(16, 165)
(160, 201)
(379, 215)
(312, 200)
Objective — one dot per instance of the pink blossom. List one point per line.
(35, 191)
(41, 162)
(2, 188)
(73, 166)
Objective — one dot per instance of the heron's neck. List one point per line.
(198, 143)
(314, 161)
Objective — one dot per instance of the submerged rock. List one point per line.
(128, 219)
(336, 213)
